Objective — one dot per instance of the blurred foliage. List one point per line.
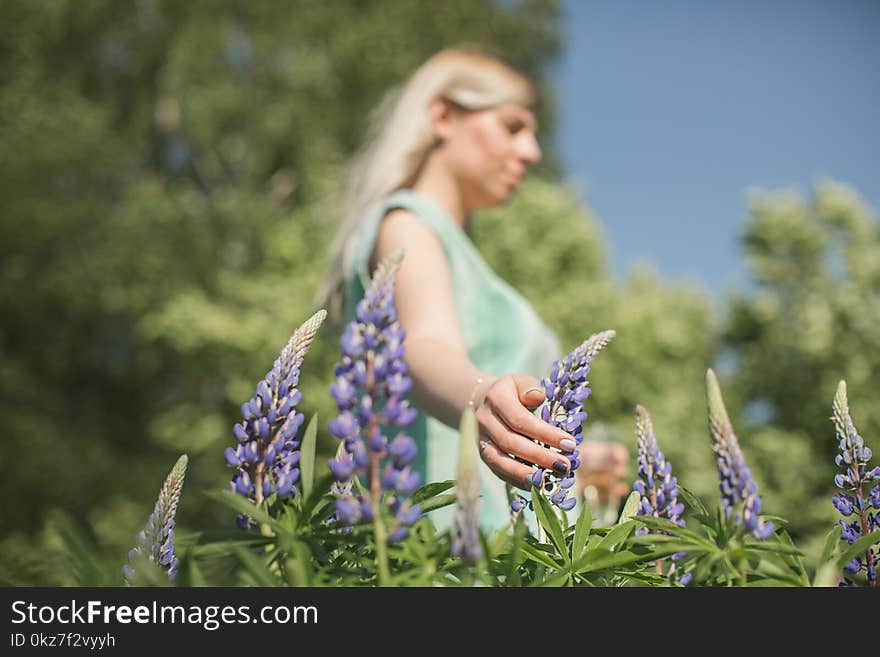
(168, 180)
(813, 319)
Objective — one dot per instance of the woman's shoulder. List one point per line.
(403, 228)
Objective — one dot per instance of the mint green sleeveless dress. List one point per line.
(502, 332)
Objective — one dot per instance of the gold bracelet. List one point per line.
(480, 379)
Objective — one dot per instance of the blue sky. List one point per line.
(669, 112)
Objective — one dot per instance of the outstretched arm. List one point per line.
(444, 378)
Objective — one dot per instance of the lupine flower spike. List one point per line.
(370, 393)
(656, 485)
(739, 493)
(566, 389)
(156, 541)
(852, 460)
(466, 534)
(266, 455)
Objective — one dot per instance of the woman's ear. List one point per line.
(441, 113)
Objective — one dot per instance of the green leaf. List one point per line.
(537, 555)
(320, 490)
(617, 535)
(828, 574)
(692, 501)
(581, 531)
(664, 525)
(774, 546)
(243, 505)
(557, 580)
(307, 456)
(668, 543)
(770, 582)
(255, 567)
(513, 560)
(430, 490)
(549, 521)
(832, 540)
(629, 508)
(437, 502)
(857, 548)
(602, 559)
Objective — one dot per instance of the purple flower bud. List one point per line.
(408, 482)
(342, 467)
(853, 566)
(232, 457)
(348, 511)
(242, 484)
(409, 515)
(397, 535)
(378, 441)
(343, 426)
(403, 450)
(567, 504)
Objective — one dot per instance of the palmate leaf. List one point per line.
(617, 535)
(540, 557)
(598, 559)
(664, 525)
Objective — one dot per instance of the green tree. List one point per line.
(165, 182)
(812, 320)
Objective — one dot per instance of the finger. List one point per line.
(513, 443)
(533, 397)
(518, 419)
(511, 471)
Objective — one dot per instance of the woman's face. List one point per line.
(489, 150)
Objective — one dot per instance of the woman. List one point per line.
(458, 137)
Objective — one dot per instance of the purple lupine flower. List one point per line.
(852, 460)
(656, 485)
(566, 389)
(266, 455)
(739, 492)
(156, 540)
(370, 394)
(466, 534)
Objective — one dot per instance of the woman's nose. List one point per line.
(529, 149)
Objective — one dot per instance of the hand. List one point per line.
(507, 425)
(603, 465)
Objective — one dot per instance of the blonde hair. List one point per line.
(400, 138)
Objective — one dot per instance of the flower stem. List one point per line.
(379, 533)
(869, 556)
